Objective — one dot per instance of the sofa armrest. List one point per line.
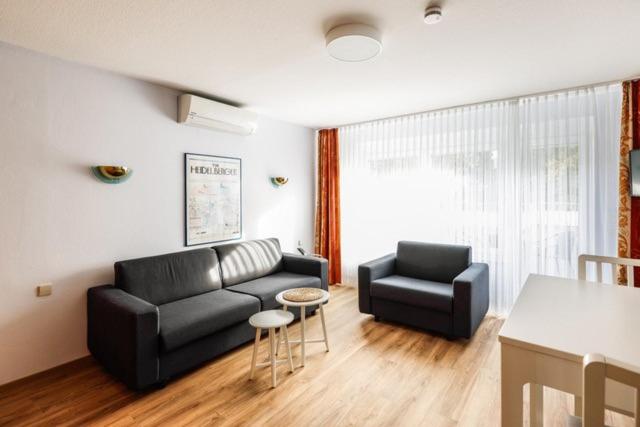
(309, 265)
(470, 299)
(122, 333)
(370, 271)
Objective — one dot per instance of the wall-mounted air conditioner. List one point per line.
(196, 111)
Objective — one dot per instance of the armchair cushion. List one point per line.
(192, 318)
(266, 288)
(432, 261)
(415, 292)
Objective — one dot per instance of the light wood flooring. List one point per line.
(377, 373)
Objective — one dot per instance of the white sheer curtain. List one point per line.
(529, 183)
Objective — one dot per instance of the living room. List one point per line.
(322, 213)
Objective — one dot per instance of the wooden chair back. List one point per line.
(596, 369)
(628, 263)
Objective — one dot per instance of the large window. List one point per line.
(528, 183)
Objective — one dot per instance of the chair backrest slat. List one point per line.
(628, 263)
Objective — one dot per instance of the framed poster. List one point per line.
(213, 198)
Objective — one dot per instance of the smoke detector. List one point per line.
(353, 42)
(432, 15)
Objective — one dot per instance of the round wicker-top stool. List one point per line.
(271, 319)
(302, 298)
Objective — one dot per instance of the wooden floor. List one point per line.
(378, 374)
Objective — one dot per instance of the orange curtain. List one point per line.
(628, 207)
(327, 241)
(624, 196)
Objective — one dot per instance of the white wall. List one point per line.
(59, 224)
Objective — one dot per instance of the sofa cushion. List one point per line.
(431, 261)
(244, 261)
(192, 318)
(165, 278)
(415, 292)
(266, 288)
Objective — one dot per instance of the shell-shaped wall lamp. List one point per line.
(279, 181)
(111, 174)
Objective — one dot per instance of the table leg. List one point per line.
(324, 327)
(510, 389)
(272, 355)
(303, 314)
(536, 405)
(255, 353)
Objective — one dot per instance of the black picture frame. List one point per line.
(186, 159)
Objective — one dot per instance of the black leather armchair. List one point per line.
(427, 285)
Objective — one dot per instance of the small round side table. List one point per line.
(271, 319)
(302, 305)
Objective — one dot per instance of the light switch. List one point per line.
(44, 289)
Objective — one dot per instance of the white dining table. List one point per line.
(552, 325)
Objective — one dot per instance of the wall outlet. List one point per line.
(44, 289)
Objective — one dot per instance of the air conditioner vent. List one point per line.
(197, 111)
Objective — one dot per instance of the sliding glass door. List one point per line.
(528, 183)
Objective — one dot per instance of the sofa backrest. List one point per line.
(432, 261)
(165, 278)
(244, 261)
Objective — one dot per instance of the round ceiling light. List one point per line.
(433, 15)
(353, 42)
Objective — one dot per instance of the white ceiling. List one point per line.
(269, 55)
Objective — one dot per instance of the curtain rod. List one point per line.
(473, 104)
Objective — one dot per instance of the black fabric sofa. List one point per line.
(426, 285)
(167, 314)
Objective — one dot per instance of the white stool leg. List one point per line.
(324, 327)
(256, 343)
(284, 308)
(272, 355)
(303, 314)
(285, 332)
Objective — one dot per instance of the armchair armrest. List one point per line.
(309, 265)
(470, 299)
(122, 333)
(370, 271)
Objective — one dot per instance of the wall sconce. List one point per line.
(111, 174)
(279, 181)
